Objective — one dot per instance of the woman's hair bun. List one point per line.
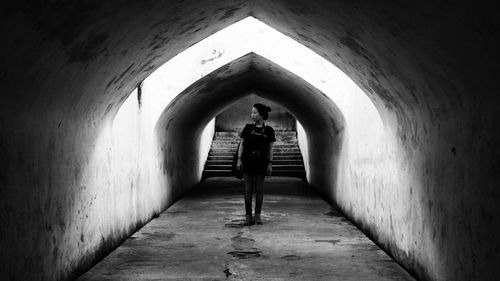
(263, 110)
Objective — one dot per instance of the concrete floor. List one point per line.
(201, 237)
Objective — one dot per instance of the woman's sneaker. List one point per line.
(248, 220)
(258, 220)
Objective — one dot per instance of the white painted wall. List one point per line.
(304, 149)
(207, 137)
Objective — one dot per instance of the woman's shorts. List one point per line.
(254, 165)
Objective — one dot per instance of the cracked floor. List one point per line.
(202, 237)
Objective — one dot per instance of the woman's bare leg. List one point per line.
(249, 183)
(259, 192)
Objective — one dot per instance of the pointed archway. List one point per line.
(180, 126)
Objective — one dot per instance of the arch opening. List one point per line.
(250, 35)
(178, 129)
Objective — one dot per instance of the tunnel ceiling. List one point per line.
(88, 56)
(203, 100)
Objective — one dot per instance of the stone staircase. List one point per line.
(287, 159)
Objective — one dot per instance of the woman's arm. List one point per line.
(270, 165)
(270, 152)
(240, 152)
(272, 139)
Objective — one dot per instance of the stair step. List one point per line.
(228, 149)
(217, 173)
(214, 157)
(275, 154)
(278, 133)
(235, 144)
(227, 134)
(298, 174)
(211, 153)
(227, 173)
(287, 158)
(287, 161)
(275, 162)
(275, 150)
(217, 167)
(219, 162)
(297, 157)
(288, 167)
(235, 139)
(275, 167)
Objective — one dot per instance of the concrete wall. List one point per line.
(430, 200)
(304, 148)
(234, 118)
(206, 139)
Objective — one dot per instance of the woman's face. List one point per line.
(255, 115)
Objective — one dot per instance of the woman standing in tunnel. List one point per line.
(255, 159)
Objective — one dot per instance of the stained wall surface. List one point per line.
(430, 68)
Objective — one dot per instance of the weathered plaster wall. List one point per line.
(431, 199)
(430, 68)
(178, 129)
(66, 69)
(235, 117)
(206, 138)
(304, 148)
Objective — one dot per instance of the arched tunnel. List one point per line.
(250, 73)
(70, 195)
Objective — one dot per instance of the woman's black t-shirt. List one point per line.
(256, 146)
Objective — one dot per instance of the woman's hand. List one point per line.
(239, 165)
(269, 168)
